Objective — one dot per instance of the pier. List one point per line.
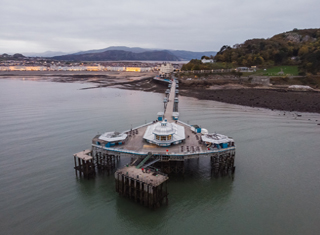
(156, 149)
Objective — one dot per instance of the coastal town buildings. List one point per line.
(10, 63)
(74, 68)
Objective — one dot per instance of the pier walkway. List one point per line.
(169, 109)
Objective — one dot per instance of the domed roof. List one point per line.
(164, 128)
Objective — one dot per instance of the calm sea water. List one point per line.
(275, 189)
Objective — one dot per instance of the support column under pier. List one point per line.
(169, 167)
(84, 165)
(222, 163)
(145, 193)
(106, 162)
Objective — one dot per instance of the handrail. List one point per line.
(184, 123)
(144, 160)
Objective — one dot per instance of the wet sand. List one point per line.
(278, 99)
(97, 78)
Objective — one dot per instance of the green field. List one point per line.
(288, 70)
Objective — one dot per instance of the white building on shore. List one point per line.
(166, 69)
(205, 61)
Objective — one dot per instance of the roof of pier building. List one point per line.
(216, 138)
(113, 136)
(176, 132)
(164, 128)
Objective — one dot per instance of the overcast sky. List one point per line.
(196, 25)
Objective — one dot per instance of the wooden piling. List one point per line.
(147, 189)
(85, 166)
(222, 163)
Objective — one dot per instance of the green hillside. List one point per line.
(296, 47)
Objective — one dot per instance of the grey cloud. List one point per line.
(73, 25)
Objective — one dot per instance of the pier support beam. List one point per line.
(104, 160)
(84, 165)
(169, 167)
(149, 194)
(222, 163)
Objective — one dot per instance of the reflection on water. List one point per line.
(275, 189)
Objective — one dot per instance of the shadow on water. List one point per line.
(195, 190)
(102, 185)
(86, 187)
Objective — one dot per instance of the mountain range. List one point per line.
(115, 53)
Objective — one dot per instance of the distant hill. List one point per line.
(115, 55)
(189, 55)
(116, 48)
(46, 54)
(180, 54)
(296, 47)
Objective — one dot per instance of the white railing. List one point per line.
(138, 127)
(186, 154)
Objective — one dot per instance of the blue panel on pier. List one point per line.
(224, 145)
(159, 118)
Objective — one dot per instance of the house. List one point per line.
(205, 61)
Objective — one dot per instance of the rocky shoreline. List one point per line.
(274, 99)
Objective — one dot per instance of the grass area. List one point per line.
(288, 70)
(207, 66)
(220, 65)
